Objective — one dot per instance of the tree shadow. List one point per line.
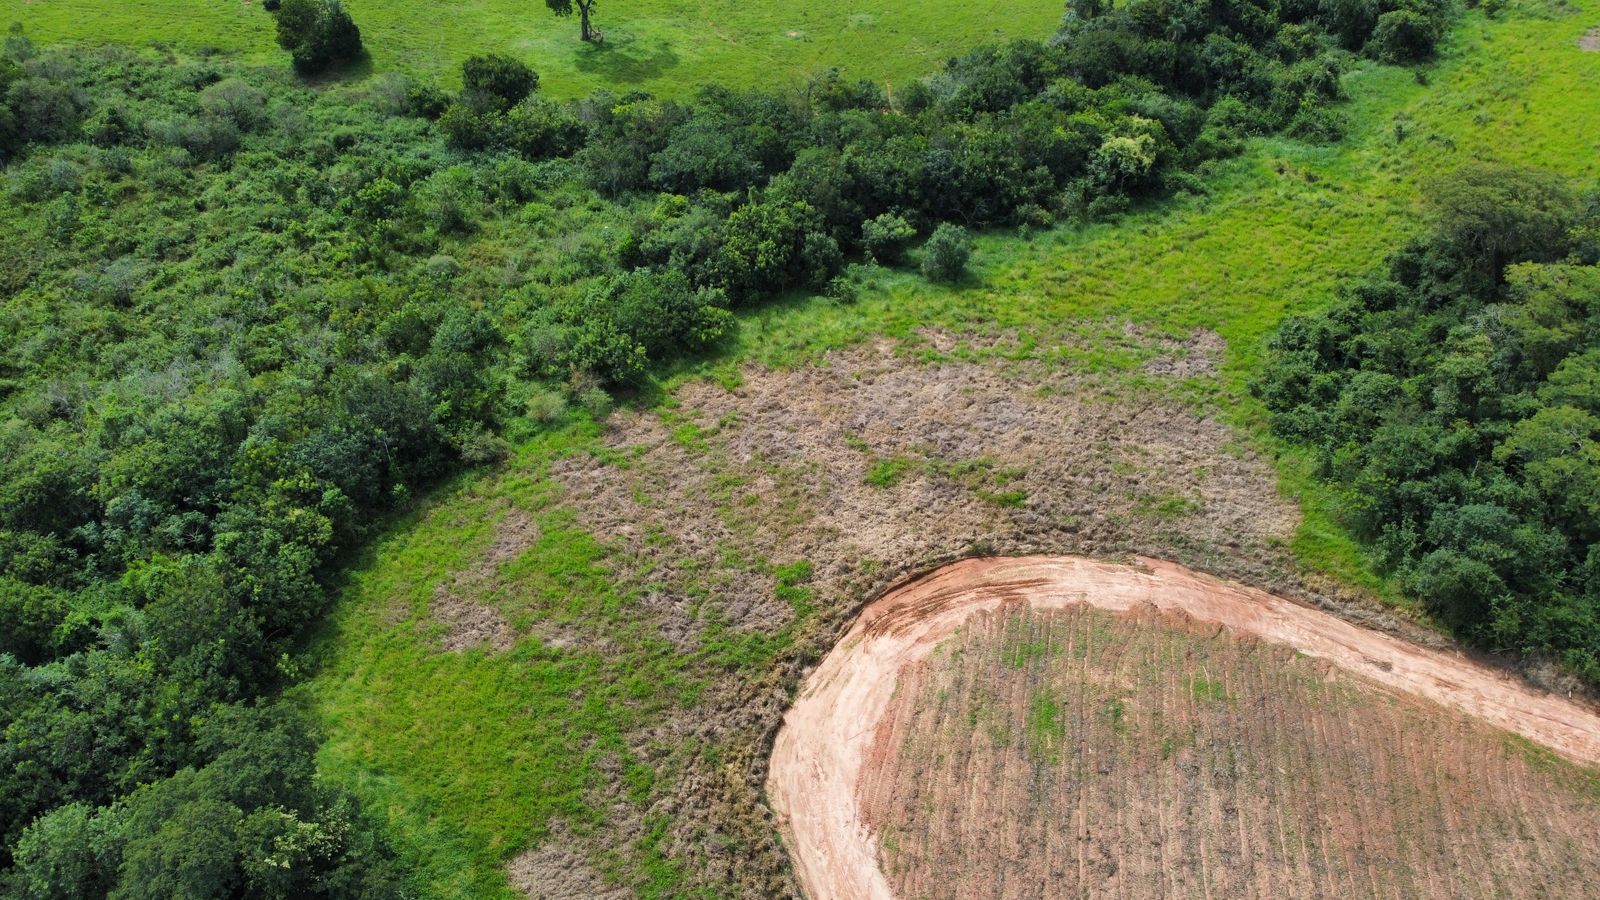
(621, 57)
(356, 69)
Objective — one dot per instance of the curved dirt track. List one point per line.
(820, 751)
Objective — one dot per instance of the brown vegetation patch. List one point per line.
(470, 624)
(1590, 42)
(1197, 355)
(873, 464)
(1079, 753)
(554, 871)
(460, 604)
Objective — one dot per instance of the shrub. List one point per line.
(426, 101)
(236, 101)
(1317, 124)
(624, 322)
(771, 245)
(467, 128)
(885, 237)
(546, 406)
(705, 152)
(541, 129)
(379, 198)
(508, 81)
(945, 255)
(46, 111)
(1403, 36)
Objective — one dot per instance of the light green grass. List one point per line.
(668, 47)
(1280, 228)
(471, 757)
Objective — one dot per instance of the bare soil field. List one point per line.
(1068, 727)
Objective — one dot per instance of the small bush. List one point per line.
(885, 238)
(945, 256)
(508, 81)
(1403, 36)
(467, 128)
(427, 101)
(541, 129)
(1317, 124)
(546, 407)
(232, 99)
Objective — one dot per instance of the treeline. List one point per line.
(242, 319)
(1455, 401)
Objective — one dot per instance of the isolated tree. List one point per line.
(317, 33)
(584, 8)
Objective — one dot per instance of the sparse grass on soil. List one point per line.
(653, 638)
(1153, 757)
(668, 47)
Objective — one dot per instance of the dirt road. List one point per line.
(819, 753)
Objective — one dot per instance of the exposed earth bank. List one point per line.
(815, 776)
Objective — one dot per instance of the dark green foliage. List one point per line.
(496, 110)
(623, 323)
(541, 129)
(1404, 35)
(1491, 216)
(505, 81)
(945, 255)
(251, 822)
(318, 34)
(1456, 402)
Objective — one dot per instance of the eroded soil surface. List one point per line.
(1046, 727)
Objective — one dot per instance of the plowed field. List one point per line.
(1063, 727)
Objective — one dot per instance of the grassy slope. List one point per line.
(473, 755)
(1283, 225)
(669, 47)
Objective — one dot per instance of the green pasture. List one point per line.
(668, 47)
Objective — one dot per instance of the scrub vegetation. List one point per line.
(248, 321)
(1455, 402)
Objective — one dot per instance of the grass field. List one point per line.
(668, 47)
(474, 756)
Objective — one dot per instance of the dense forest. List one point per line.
(1455, 401)
(244, 317)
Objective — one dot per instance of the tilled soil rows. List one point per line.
(1053, 727)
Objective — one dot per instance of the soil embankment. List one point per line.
(822, 750)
